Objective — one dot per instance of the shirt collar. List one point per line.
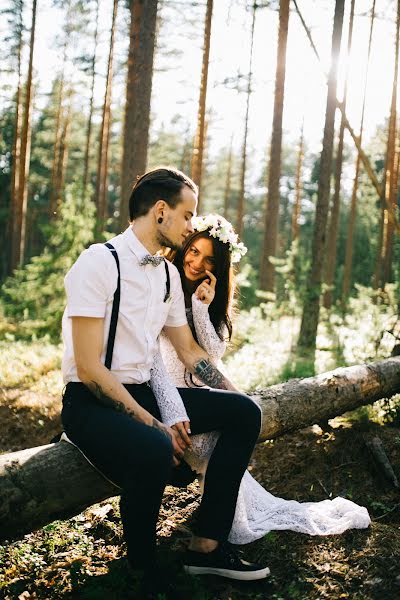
(135, 245)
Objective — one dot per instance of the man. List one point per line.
(111, 414)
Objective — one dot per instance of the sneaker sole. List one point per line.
(241, 575)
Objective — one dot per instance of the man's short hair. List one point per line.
(162, 183)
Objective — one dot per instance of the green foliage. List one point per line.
(391, 411)
(364, 331)
(33, 297)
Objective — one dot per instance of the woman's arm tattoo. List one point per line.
(96, 389)
(209, 374)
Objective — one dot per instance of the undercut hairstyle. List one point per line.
(162, 183)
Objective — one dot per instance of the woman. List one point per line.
(205, 266)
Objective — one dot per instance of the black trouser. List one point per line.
(138, 458)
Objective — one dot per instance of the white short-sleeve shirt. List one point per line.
(90, 285)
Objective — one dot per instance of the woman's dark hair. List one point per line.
(162, 183)
(220, 307)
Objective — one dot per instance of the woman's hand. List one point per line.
(183, 430)
(206, 290)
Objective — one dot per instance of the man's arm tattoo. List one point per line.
(209, 374)
(96, 389)
(162, 428)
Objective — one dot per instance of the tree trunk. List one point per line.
(389, 246)
(242, 191)
(364, 158)
(22, 199)
(102, 165)
(51, 482)
(91, 104)
(198, 149)
(64, 149)
(330, 264)
(353, 208)
(138, 95)
(389, 186)
(228, 182)
(310, 319)
(271, 220)
(298, 187)
(16, 154)
(391, 181)
(54, 191)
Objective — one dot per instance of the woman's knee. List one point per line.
(247, 410)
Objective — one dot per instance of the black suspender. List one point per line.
(168, 283)
(114, 311)
(116, 301)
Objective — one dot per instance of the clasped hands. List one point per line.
(180, 440)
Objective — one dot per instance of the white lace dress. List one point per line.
(257, 511)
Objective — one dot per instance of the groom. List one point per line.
(111, 413)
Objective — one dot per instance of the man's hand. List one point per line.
(177, 442)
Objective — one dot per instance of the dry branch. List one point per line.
(50, 482)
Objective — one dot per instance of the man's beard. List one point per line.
(167, 243)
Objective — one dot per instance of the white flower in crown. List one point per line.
(221, 229)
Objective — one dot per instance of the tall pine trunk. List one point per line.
(330, 265)
(22, 199)
(198, 149)
(353, 207)
(102, 165)
(242, 184)
(311, 308)
(392, 188)
(16, 154)
(138, 94)
(382, 265)
(91, 105)
(58, 131)
(271, 219)
(298, 187)
(228, 182)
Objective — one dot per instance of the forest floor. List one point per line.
(83, 558)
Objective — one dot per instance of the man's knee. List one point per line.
(158, 454)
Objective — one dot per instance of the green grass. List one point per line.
(25, 362)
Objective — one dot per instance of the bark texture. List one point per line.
(198, 149)
(310, 319)
(331, 247)
(19, 231)
(242, 191)
(104, 138)
(271, 219)
(50, 482)
(138, 95)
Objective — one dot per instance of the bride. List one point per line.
(205, 265)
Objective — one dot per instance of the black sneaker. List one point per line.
(223, 561)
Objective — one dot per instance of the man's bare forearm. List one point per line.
(118, 405)
(106, 400)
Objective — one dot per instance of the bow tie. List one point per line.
(151, 260)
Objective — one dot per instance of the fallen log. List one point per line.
(39, 485)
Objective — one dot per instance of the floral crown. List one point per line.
(221, 228)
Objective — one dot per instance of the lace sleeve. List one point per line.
(207, 337)
(168, 398)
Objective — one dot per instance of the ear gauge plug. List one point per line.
(160, 220)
